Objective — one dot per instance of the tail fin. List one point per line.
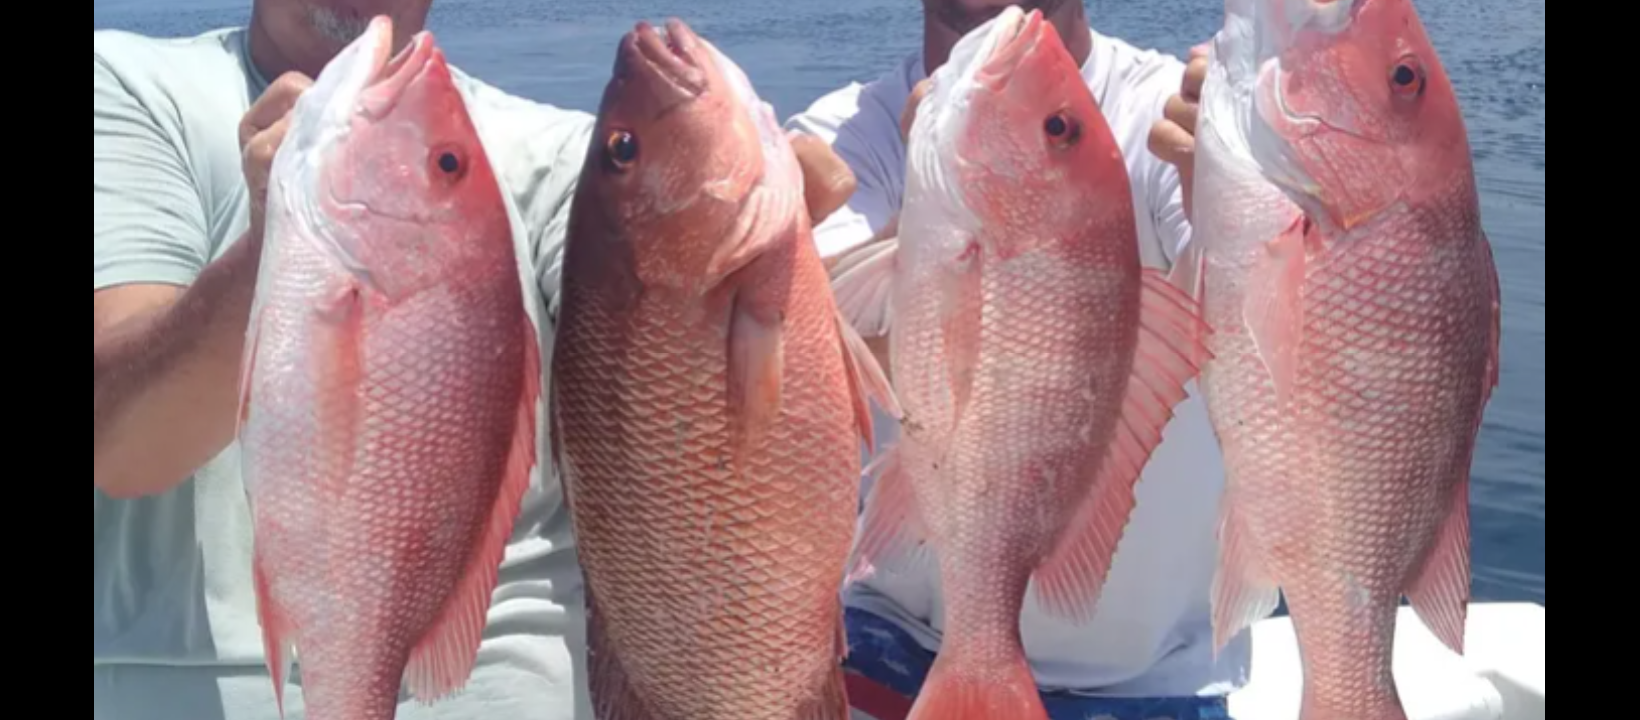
(992, 693)
(832, 703)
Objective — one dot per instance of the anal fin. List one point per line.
(892, 528)
(1243, 592)
(277, 640)
(1440, 594)
(1171, 347)
(442, 662)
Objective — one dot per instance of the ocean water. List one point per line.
(561, 51)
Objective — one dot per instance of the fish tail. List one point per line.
(954, 692)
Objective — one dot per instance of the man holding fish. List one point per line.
(1148, 650)
(182, 159)
(185, 135)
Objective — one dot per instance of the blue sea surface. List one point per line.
(561, 52)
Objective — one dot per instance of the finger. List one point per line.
(1172, 143)
(275, 103)
(1195, 75)
(828, 182)
(908, 116)
(1202, 50)
(260, 150)
(1183, 113)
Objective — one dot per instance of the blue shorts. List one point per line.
(887, 668)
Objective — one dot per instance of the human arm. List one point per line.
(168, 325)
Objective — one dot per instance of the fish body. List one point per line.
(708, 402)
(1035, 359)
(1339, 254)
(390, 387)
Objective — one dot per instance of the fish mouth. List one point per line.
(673, 58)
(1018, 33)
(394, 74)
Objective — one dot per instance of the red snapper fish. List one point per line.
(390, 386)
(1339, 253)
(1035, 359)
(708, 402)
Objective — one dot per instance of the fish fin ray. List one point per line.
(1274, 308)
(1189, 271)
(756, 374)
(276, 635)
(892, 527)
(612, 694)
(443, 661)
(962, 313)
(1440, 594)
(247, 369)
(1170, 348)
(337, 372)
(867, 382)
(863, 282)
(1243, 593)
(1001, 693)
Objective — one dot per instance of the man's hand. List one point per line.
(260, 133)
(1173, 138)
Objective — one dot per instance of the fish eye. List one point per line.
(1062, 129)
(1407, 77)
(448, 161)
(621, 149)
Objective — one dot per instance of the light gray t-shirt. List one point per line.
(174, 616)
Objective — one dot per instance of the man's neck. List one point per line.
(1067, 16)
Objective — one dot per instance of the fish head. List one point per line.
(1011, 134)
(1355, 112)
(688, 171)
(383, 166)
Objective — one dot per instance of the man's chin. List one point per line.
(336, 28)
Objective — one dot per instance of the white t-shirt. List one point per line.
(1152, 633)
(174, 628)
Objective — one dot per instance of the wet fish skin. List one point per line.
(390, 387)
(1037, 360)
(708, 402)
(1356, 303)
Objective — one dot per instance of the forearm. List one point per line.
(166, 380)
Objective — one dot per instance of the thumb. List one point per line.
(908, 116)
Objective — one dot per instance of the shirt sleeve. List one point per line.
(148, 222)
(852, 123)
(1173, 228)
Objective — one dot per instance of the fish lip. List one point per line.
(394, 75)
(674, 58)
(1027, 31)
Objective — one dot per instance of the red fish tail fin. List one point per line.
(613, 697)
(990, 693)
(1170, 351)
(1440, 593)
(1243, 593)
(276, 632)
(441, 663)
